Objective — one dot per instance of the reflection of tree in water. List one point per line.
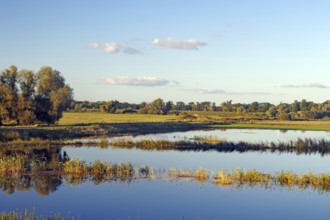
(45, 184)
(38, 159)
(43, 171)
(41, 159)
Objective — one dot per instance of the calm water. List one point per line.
(158, 199)
(267, 162)
(173, 200)
(235, 135)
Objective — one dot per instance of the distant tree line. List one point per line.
(298, 110)
(28, 98)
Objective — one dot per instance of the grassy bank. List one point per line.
(81, 125)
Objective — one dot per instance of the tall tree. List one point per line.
(8, 81)
(53, 95)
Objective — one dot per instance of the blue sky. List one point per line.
(240, 50)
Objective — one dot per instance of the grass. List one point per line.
(22, 164)
(91, 124)
(320, 182)
(221, 120)
(73, 118)
(280, 125)
(200, 174)
(18, 174)
(298, 146)
(30, 215)
(209, 143)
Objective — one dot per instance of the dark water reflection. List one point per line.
(42, 184)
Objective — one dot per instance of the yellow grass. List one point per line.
(72, 118)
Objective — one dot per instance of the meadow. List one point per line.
(210, 119)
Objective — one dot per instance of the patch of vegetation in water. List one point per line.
(298, 146)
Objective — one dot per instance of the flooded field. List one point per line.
(163, 198)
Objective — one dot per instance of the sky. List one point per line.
(139, 50)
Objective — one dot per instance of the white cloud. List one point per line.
(136, 81)
(113, 48)
(190, 44)
(93, 45)
(208, 91)
(307, 85)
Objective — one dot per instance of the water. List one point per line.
(266, 161)
(173, 200)
(236, 135)
(161, 198)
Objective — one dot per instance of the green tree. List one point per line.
(156, 107)
(9, 102)
(295, 106)
(271, 112)
(53, 95)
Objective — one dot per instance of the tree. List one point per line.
(4, 97)
(271, 112)
(254, 107)
(53, 95)
(156, 107)
(240, 110)
(8, 81)
(295, 106)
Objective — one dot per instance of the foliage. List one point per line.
(303, 110)
(27, 97)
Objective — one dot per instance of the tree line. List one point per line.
(27, 97)
(298, 110)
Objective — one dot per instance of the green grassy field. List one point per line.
(85, 118)
(91, 124)
(214, 120)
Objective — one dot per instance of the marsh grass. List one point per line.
(200, 174)
(31, 215)
(13, 164)
(299, 146)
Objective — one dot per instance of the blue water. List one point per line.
(164, 199)
(235, 135)
(267, 162)
(158, 199)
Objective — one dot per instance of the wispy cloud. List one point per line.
(208, 91)
(113, 48)
(307, 85)
(146, 81)
(190, 44)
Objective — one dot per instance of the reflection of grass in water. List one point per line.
(209, 139)
(298, 146)
(76, 171)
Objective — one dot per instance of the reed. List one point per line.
(298, 146)
(13, 164)
(199, 174)
(75, 166)
(223, 178)
(31, 215)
